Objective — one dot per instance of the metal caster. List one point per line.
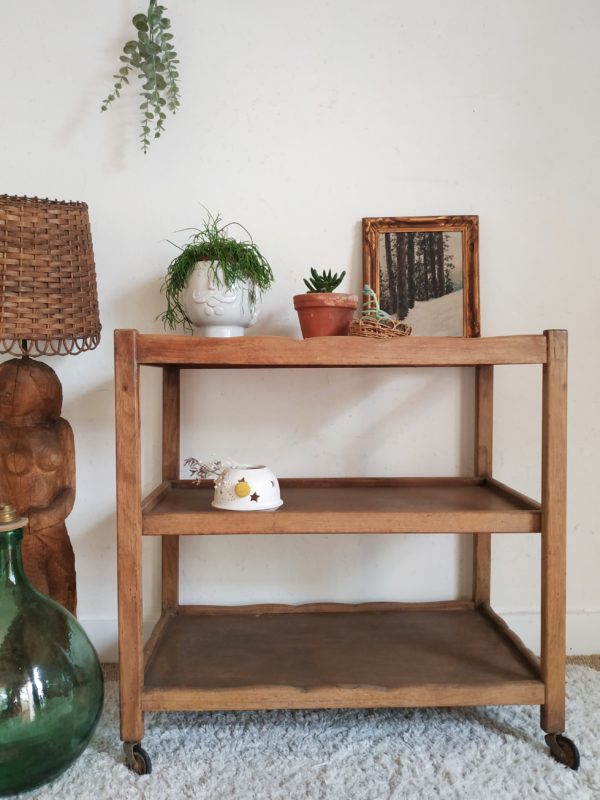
(137, 759)
(563, 750)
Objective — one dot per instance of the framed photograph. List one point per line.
(425, 271)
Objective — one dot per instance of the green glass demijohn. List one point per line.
(51, 686)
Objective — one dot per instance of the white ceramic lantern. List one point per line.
(247, 487)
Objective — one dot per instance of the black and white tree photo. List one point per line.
(421, 280)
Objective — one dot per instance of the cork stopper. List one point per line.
(9, 519)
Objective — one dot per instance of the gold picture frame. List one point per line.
(425, 271)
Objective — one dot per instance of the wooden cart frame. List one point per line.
(333, 655)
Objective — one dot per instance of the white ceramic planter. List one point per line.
(215, 310)
(248, 487)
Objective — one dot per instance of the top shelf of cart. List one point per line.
(334, 351)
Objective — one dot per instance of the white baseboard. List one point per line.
(583, 632)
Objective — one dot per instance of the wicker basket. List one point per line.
(371, 328)
(48, 297)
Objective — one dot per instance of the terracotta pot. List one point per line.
(325, 313)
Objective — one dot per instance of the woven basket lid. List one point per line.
(48, 295)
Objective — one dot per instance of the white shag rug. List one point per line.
(416, 754)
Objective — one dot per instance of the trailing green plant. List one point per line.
(233, 262)
(153, 59)
(324, 281)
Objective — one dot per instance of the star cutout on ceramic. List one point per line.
(254, 497)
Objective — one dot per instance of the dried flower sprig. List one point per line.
(202, 470)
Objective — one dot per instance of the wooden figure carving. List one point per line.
(37, 473)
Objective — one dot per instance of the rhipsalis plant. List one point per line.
(324, 282)
(151, 58)
(233, 263)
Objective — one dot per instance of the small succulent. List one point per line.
(153, 60)
(324, 282)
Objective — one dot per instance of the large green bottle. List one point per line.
(51, 687)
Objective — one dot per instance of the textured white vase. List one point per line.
(213, 309)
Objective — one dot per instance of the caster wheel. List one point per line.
(137, 759)
(563, 750)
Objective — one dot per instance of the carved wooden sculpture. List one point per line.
(37, 473)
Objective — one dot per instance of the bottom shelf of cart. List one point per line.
(328, 656)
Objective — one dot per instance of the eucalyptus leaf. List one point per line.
(140, 21)
(152, 56)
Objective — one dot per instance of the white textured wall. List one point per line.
(298, 120)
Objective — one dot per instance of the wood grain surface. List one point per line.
(331, 505)
(554, 521)
(37, 473)
(330, 659)
(170, 471)
(337, 351)
(129, 536)
(484, 443)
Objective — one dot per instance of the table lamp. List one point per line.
(48, 306)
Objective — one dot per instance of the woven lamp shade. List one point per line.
(48, 295)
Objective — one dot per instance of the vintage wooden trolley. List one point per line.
(452, 653)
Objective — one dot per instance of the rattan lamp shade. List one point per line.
(48, 295)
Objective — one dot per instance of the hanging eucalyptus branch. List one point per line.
(153, 56)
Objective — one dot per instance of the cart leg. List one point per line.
(554, 444)
(170, 471)
(484, 412)
(129, 537)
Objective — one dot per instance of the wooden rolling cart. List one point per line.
(453, 653)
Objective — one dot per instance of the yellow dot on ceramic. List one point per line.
(242, 489)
